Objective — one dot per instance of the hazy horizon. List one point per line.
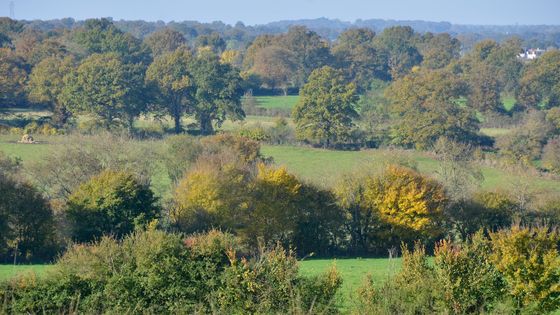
(251, 12)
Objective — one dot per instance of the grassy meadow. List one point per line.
(284, 102)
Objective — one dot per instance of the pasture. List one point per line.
(284, 102)
(319, 166)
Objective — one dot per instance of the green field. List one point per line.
(326, 167)
(354, 272)
(322, 167)
(285, 102)
(10, 271)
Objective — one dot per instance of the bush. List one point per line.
(156, 272)
(411, 291)
(78, 158)
(265, 205)
(181, 152)
(529, 260)
(491, 210)
(111, 203)
(551, 155)
(26, 223)
(467, 276)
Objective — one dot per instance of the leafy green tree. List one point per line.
(540, 83)
(326, 108)
(100, 36)
(484, 90)
(27, 222)
(111, 203)
(170, 74)
(439, 50)
(398, 43)
(107, 87)
(355, 53)
(310, 51)
(165, 41)
(46, 85)
(217, 92)
(425, 108)
(213, 41)
(13, 75)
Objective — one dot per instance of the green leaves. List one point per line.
(326, 109)
(105, 86)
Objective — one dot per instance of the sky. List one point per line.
(494, 12)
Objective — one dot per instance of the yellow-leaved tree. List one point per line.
(210, 196)
(407, 199)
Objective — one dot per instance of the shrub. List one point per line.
(551, 155)
(26, 223)
(78, 158)
(467, 276)
(411, 291)
(156, 272)
(113, 203)
(265, 205)
(490, 210)
(256, 133)
(529, 260)
(181, 152)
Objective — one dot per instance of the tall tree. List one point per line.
(425, 107)
(217, 92)
(355, 54)
(540, 82)
(310, 51)
(170, 74)
(484, 89)
(212, 41)
(399, 42)
(326, 108)
(276, 67)
(13, 75)
(107, 87)
(46, 84)
(164, 41)
(99, 36)
(439, 50)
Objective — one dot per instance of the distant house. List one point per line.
(532, 53)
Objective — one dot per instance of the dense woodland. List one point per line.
(227, 237)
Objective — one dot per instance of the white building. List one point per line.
(531, 54)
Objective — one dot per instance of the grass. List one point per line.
(326, 167)
(322, 167)
(508, 101)
(10, 271)
(284, 102)
(354, 272)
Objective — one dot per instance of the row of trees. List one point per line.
(223, 182)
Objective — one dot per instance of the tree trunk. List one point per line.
(206, 125)
(177, 118)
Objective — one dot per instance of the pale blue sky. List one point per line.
(263, 11)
